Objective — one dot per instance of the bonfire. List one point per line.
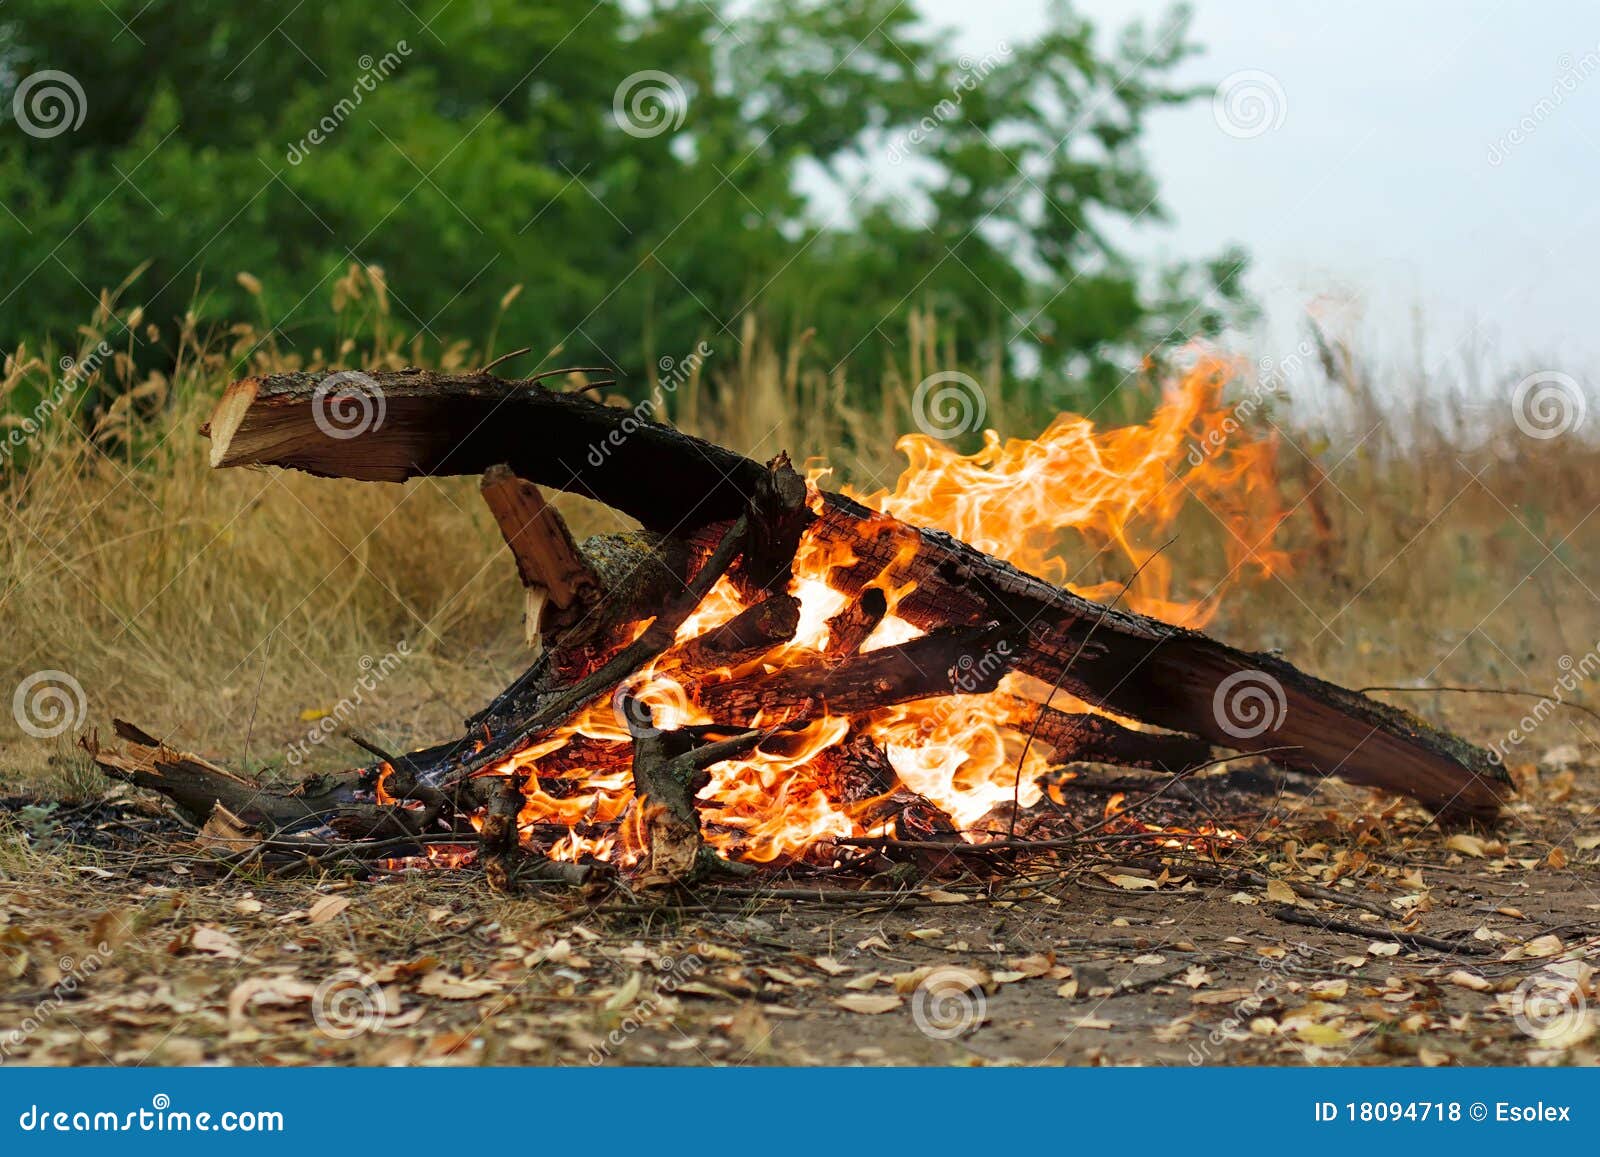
(773, 677)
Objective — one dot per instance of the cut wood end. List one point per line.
(227, 418)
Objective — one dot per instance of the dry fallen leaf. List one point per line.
(447, 987)
(1465, 843)
(1464, 979)
(866, 1004)
(327, 908)
(1280, 893)
(1130, 883)
(207, 939)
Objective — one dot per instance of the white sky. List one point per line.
(1378, 184)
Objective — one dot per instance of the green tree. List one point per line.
(648, 176)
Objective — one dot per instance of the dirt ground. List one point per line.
(119, 946)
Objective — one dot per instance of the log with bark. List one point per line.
(1124, 663)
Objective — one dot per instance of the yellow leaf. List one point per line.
(1280, 893)
(312, 714)
(1130, 883)
(867, 1005)
(1466, 844)
(327, 908)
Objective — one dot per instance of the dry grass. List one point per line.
(224, 606)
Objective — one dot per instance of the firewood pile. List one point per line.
(742, 684)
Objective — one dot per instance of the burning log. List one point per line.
(615, 608)
(964, 661)
(748, 635)
(848, 629)
(669, 770)
(858, 774)
(1080, 737)
(1130, 664)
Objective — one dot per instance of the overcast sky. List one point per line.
(1391, 179)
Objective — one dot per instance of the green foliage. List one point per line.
(837, 164)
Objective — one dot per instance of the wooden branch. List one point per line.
(960, 661)
(857, 774)
(848, 629)
(499, 833)
(558, 580)
(1079, 737)
(751, 633)
(669, 770)
(778, 517)
(1134, 666)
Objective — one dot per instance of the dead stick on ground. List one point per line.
(1410, 939)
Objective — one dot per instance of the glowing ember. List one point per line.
(1047, 505)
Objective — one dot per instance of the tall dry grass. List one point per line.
(228, 608)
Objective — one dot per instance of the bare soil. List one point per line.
(119, 945)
